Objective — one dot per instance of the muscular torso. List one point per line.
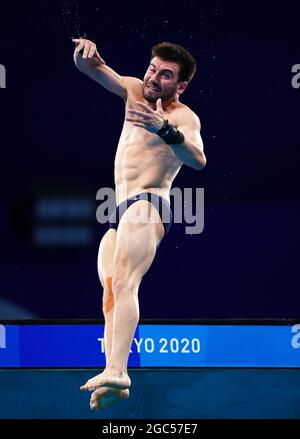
(144, 162)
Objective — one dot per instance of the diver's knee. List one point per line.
(123, 285)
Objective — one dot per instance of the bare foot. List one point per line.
(105, 397)
(108, 378)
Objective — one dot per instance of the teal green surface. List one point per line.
(155, 394)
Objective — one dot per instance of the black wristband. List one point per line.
(170, 134)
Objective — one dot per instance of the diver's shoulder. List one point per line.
(131, 82)
(184, 111)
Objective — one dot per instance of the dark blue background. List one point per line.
(59, 132)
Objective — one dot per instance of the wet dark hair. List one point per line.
(175, 53)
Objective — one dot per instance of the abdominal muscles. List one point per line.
(143, 161)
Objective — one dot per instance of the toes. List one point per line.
(94, 403)
(83, 387)
(87, 386)
(90, 388)
(125, 394)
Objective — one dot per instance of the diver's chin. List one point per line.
(150, 99)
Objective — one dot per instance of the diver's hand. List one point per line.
(89, 51)
(151, 120)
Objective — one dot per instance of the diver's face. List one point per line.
(161, 80)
